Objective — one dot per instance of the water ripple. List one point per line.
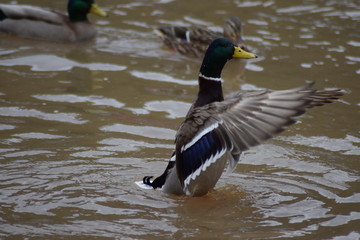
(146, 131)
(71, 98)
(23, 112)
(26, 153)
(296, 9)
(54, 63)
(6, 127)
(38, 135)
(126, 145)
(162, 77)
(346, 146)
(175, 109)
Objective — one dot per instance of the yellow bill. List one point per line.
(95, 9)
(240, 53)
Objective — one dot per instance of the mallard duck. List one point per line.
(216, 130)
(40, 23)
(193, 41)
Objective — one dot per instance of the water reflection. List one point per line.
(23, 112)
(161, 77)
(347, 146)
(145, 131)
(71, 98)
(175, 109)
(55, 63)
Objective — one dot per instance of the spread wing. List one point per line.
(241, 121)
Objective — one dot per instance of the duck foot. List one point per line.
(157, 183)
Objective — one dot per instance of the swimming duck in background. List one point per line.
(217, 130)
(40, 23)
(193, 41)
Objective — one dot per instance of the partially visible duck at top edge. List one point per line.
(41, 23)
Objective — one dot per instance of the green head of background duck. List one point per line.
(79, 9)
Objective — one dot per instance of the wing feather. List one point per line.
(242, 121)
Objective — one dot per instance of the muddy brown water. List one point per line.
(80, 123)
